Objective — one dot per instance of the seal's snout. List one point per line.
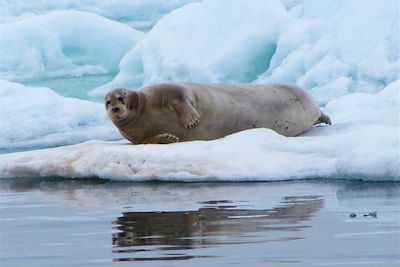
(115, 109)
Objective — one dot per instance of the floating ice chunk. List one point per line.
(331, 48)
(34, 117)
(348, 41)
(63, 43)
(210, 41)
(132, 12)
(363, 143)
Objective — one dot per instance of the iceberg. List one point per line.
(363, 143)
(335, 48)
(329, 48)
(37, 117)
(210, 47)
(63, 43)
(148, 12)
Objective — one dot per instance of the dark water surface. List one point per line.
(55, 222)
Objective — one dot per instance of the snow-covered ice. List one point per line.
(346, 53)
(63, 43)
(34, 117)
(363, 144)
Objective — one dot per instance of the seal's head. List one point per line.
(122, 106)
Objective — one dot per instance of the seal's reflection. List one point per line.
(216, 223)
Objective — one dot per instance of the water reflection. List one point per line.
(216, 223)
(240, 224)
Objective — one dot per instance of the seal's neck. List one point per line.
(139, 111)
(142, 103)
(136, 113)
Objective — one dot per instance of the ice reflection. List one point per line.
(220, 222)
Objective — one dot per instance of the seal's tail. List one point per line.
(323, 119)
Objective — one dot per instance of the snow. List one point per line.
(34, 117)
(345, 53)
(63, 43)
(362, 144)
(329, 48)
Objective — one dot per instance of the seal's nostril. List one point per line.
(115, 109)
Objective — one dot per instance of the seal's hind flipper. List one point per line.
(187, 114)
(323, 119)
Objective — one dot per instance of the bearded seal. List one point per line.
(173, 112)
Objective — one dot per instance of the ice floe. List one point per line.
(34, 117)
(136, 13)
(363, 143)
(329, 48)
(63, 43)
(346, 53)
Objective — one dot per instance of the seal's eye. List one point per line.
(108, 102)
(120, 98)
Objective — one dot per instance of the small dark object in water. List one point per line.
(353, 215)
(372, 214)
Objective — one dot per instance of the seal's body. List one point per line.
(172, 112)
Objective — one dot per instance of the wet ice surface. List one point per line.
(103, 223)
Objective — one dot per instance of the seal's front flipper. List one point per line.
(187, 114)
(163, 139)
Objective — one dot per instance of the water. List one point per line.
(76, 87)
(56, 222)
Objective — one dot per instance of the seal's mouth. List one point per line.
(121, 120)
